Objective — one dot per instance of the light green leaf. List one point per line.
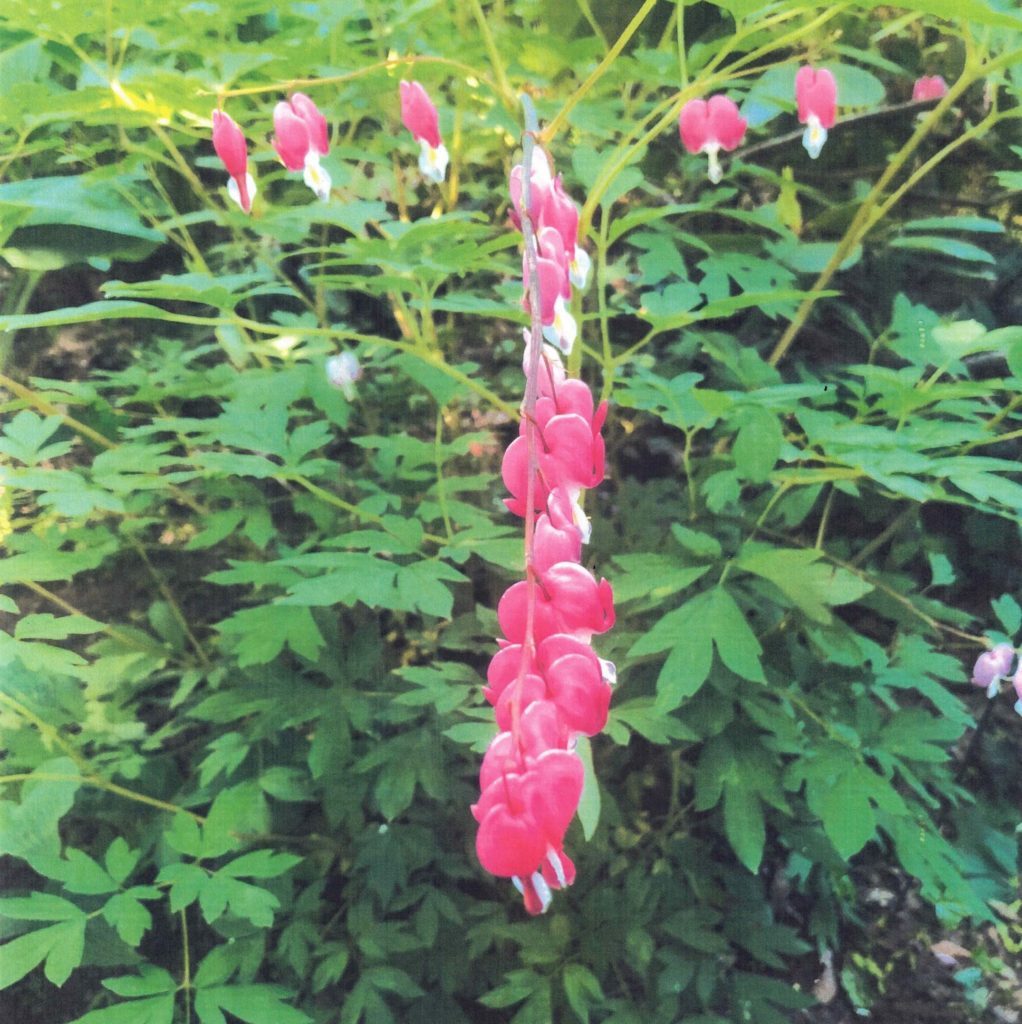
(128, 916)
(149, 981)
(952, 247)
(589, 804)
(254, 1004)
(736, 643)
(758, 445)
(151, 1010)
(21, 955)
(39, 906)
(90, 312)
(260, 864)
(744, 824)
(67, 951)
(810, 585)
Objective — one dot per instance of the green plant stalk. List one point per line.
(172, 602)
(97, 782)
(503, 85)
(872, 208)
(587, 13)
(186, 966)
(550, 132)
(37, 401)
(441, 486)
(47, 731)
(111, 631)
(15, 302)
(679, 16)
(353, 510)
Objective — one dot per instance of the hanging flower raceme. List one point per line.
(300, 138)
(230, 146)
(546, 683)
(708, 126)
(419, 116)
(929, 87)
(816, 93)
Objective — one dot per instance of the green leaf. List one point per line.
(260, 864)
(149, 981)
(744, 825)
(254, 1004)
(90, 312)
(758, 445)
(589, 804)
(702, 545)
(184, 835)
(29, 830)
(650, 720)
(235, 811)
(582, 989)
(128, 916)
(1008, 613)
(736, 643)
(84, 875)
(152, 1010)
(39, 906)
(286, 783)
(843, 804)
(264, 630)
(186, 882)
(67, 950)
(21, 955)
(810, 585)
(952, 247)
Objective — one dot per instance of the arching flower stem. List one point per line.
(529, 414)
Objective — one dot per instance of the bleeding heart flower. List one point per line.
(540, 184)
(816, 93)
(929, 87)
(300, 138)
(230, 146)
(991, 667)
(342, 371)
(419, 116)
(708, 126)
(560, 213)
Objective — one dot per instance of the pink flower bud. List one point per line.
(929, 87)
(1016, 681)
(229, 143)
(816, 94)
(419, 116)
(708, 126)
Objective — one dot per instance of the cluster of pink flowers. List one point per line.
(546, 683)
(301, 137)
(561, 262)
(993, 667)
(708, 126)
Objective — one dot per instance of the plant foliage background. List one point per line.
(246, 619)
